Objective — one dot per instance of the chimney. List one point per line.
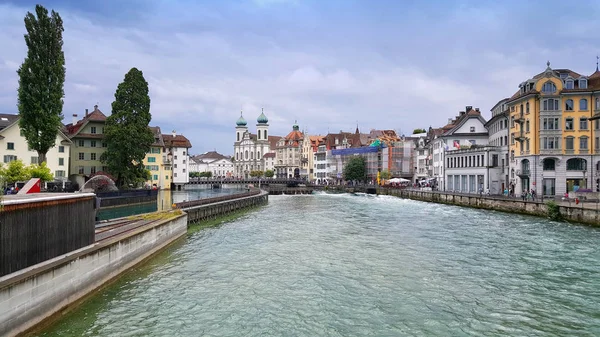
(74, 119)
(449, 120)
(477, 109)
(95, 107)
(468, 108)
(174, 133)
(462, 113)
(86, 112)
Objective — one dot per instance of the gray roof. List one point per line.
(7, 119)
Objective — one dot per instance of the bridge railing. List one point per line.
(205, 201)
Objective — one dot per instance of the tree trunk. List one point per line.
(41, 157)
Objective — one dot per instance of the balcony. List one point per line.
(523, 173)
(520, 137)
(520, 118)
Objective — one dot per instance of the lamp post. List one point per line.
(584, 179)
(543, 187)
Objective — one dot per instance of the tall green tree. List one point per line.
(356, 169)
(41, 80)
(126, 132)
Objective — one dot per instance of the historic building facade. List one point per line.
(288, 155)
(552, 140)
(250, 149)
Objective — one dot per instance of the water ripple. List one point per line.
(358, 265)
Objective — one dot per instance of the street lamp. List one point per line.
(584, 179)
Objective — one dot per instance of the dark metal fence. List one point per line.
(188, 204)
(34, 232)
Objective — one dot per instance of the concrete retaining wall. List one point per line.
(573, 213)
(213, 210)
(31, 295)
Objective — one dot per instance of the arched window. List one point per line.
(583, 104)
(525, 166)
(549, 164)
(576, 164)
(266, 137)
(251, 155)
(238, 137)
(521, 108)
(569, 105)
(246, 155)
(569, 84)
(257, 154)
(549, 88)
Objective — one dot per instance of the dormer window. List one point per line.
(563, 76)
(582, 84)
(549, 88)
(569, 84)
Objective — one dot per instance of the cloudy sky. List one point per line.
(329, 64)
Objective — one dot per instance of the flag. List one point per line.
(468, 144)
(456, 144)
(446, 147)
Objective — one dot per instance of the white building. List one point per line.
(473, 170)
(467, 129)
(178, 147)
(422, 157)
(250, 149)
(219, 165)
(14, 146)
(320, 165)
(498, 136)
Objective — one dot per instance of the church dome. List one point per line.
(262, 119)
(241, 121)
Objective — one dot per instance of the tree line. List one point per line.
(40, 103)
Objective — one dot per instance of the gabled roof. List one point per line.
(8, 120)
(95, 116)
(269, 155)
(176, 141)
(158, 139)
(214, 155)
(273, 142)
(463, 119)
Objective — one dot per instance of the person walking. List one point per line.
(532, 194)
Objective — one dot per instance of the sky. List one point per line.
(330, 65)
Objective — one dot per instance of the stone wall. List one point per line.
(213, 210)
(574, 213)
(31, 295)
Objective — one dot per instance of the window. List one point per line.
(175, 174)
(61, 149)
(183, 170)
(152, 159)
(569, 124)
(521, 108)
(174, 165)
(10, 146)
(93, 143)
(569, 143)
(569, 105)
(61, 161)
(494, 160)
(175, 158)
(81, 156)
(92, 169)
(527, 107)
(59, 173)
(549, 164)
(9, 158)
(238, 137)
(166, 177)
(155, 177)
(92, 156)
(597, 142)
(104, 144)
(576, 164)
(81, 143)
(527, 145)
(472, 129)
(549, 88)
(583, 143)
(80, 170)
(34, 160)
(569, 84)
(597, 103)
(527, 126)
(551, 143)
(582, 84)
(583, 104)
(93, 130)
(155, 150)
(583, 123)
(512, 122)
(550, 104)
(184, 153)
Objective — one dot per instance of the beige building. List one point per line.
(87, 135)
(13, 146)
(288, 154)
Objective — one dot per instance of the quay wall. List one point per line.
(574, 213)
(206, 211)
(32, 295)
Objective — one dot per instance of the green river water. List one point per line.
(358, 265)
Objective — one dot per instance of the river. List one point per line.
(358, 265)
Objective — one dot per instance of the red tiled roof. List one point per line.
(273, 141)
(94, 116)
(269, 155)
(177, 141)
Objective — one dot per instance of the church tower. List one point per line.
(240, 128)
(262, 127)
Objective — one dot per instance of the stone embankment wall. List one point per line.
(32, 295)
(574, 213)
(227, 205)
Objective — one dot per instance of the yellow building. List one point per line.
(552, 145)
(158, 162)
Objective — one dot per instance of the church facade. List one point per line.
(250, 149)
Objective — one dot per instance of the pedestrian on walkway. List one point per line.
(532, 194)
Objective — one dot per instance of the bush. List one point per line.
(553, 211)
